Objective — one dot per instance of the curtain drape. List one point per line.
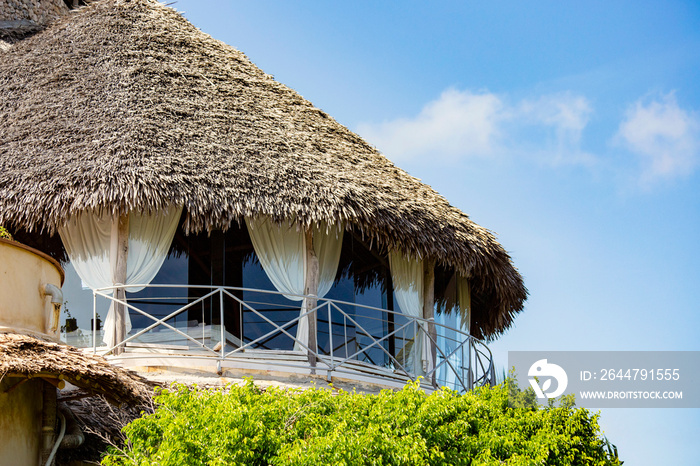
(282, 254)
(407, 276)
(90, 239)
(150, 237)
(464, 300)
(281, 251)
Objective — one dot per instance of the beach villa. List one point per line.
(211, 220)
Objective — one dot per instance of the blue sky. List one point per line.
(570, 129)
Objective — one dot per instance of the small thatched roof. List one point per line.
(28, 356)
(124, 105)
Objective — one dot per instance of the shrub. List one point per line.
(249, 426)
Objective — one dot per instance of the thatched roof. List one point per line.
(28, 356)
(125, 105)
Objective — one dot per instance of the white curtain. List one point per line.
(281, 251)
(282, 254)
(407, 276)
(150, 237)
(328, 242)
(91, 239)
(464, 300)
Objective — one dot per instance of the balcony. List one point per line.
(213, 328)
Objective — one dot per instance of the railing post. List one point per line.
(403, 346)
(416, 335)
(330, 331)
(429, 314)
(461, 366)
(94, 322)
(470, 375)
(345, 336)
(223, 335)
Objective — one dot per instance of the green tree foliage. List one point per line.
(4, 233)
(244, 425)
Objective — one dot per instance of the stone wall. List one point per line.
(38, 12)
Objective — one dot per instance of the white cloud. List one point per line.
(566, 113)
(456, 124)
(462, 124)
(663, 135)
(558, 121)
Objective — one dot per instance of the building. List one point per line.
(220, 222)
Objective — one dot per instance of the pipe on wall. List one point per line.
(55, 292)
(48, 420)
(56, 295)
(74, 436)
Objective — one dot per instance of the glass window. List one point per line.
(77, 316)
(362, 282)
(452, 353)
(199, 263)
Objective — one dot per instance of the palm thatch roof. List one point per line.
(31, 357)
(124, 105)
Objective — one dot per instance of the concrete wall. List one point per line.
(23, 306)
(20, 422)
(38, 12)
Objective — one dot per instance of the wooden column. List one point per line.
(311, 288)
(120, 278)
(429, 307)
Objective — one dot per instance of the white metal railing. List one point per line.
(349, 335)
